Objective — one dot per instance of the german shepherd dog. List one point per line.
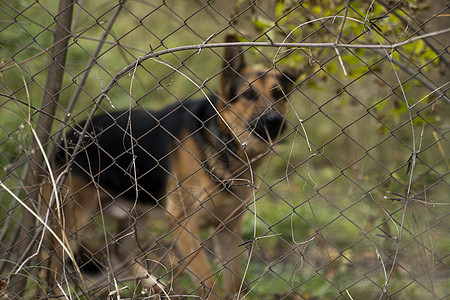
(193, 158)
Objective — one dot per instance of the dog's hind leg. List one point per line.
(69, 214)
(72, 221)
(127, 260)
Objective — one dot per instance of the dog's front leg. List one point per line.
(193, 256)
(227, 242)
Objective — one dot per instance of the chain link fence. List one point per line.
(350, 202)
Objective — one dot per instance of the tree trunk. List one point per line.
(27, 244)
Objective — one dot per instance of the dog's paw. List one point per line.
(151, 286)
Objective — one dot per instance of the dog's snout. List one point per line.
(272, 118)
(270, 125)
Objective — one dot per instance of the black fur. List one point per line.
(107, 147)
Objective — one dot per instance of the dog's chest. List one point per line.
(224, 206)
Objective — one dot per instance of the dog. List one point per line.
(194, 158)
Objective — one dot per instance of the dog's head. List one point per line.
(253, 100)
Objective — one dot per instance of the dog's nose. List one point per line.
(271, 123)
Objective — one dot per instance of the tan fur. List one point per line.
(201, 203)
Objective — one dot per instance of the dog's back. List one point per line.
(127, 153)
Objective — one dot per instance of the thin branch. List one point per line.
(419, 77)
(141, 59)
(22, 15)
(94, 57)
(409, 24)
(91, 62)
(338, 38)
(46, 50)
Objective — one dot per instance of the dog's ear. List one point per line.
(233, 56)
(287, 79)
(232, 65)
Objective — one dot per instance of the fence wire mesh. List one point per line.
(349, 201)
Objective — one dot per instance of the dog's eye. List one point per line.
(277, 93)
(250, 94)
